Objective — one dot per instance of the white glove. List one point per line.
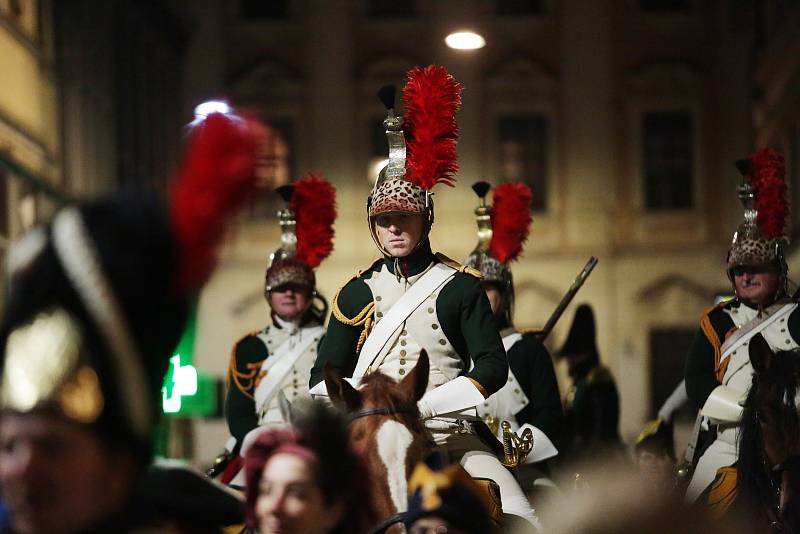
(677, 398)
(453, 396)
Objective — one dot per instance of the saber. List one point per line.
(567, 298)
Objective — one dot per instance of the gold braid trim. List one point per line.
(244, 382)
(364, 318)
(458, 266)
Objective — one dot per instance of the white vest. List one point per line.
(295, 385)
(420, 330)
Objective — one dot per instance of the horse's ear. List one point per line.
(760, 354)
(340, 391)
(415, 383)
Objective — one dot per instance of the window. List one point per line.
(668, 138)
(664, 6)
(668, 350)
(391, 8)
(522, 154)
(265, 9)
(519, 7)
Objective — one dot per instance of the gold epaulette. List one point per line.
(245, 382)
(458, 266)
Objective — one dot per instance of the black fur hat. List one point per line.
(97, 299)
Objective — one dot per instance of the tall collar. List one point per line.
(289, 326)
(778, 301)
(413, 264)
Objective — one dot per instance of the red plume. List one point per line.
(314, 205)
(511, 220)
(770, 187)
(432, 97)
(217, 176)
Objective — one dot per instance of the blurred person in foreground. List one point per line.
(622, 502)
(442, 497)
(96, 303)
(306, 480)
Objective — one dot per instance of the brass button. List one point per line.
(403, 343)
(516, 391)
(430, 310)
(788, 341)
(783, 330)
(379, 314)
(435, 326)
(402, 353)
(402, 371)
(403, 333)
(442, 342)
(402, 362)
(378, 298)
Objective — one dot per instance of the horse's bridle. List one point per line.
(407, 410)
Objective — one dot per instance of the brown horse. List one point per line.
(385, 430)
(768, 471)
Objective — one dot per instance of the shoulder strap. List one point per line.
(377, 341)
(280, 363)
(453, 264)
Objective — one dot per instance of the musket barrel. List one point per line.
(568, 296)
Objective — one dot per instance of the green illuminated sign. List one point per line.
(186, 392)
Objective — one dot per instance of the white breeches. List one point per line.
(480, 462)
(723, 452)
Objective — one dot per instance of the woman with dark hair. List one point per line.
(306, 479)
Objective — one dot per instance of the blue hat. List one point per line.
(439, 489)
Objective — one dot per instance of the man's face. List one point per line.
(399, 232)
(656, 468)
(756, 285)
(290, 301)
(57, 476)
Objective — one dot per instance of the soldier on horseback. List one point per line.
(277, 359)
(718, 368)
(413, 299)
(530, 396)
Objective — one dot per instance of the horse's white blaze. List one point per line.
(393, 440)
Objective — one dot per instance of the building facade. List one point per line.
(624, 116)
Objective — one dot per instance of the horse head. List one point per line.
(385, 428)
(773, 397)
(769, 441)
